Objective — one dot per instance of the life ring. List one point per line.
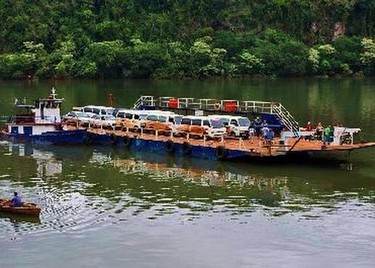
(113, 138)
(217, 106)
(169, 146)
(186, 148)
(126, 141)
(221, 152)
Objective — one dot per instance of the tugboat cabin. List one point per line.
(36, 119)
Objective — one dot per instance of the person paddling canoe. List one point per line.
(16, 200)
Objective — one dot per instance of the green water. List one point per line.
(103, 207)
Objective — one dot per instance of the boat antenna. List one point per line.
(53, 93)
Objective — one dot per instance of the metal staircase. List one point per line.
(137, 103)
(286, 118)
(145, 101)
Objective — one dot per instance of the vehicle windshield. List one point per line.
(162, 118)
(185, 121)
(96, 110)
(244, 122)
(225, 121)
(152, 118)
(120, 114)
(217, 123)
(141, 116)
(109, 117)
(108, 111)
(82, 114)
(177, 120)
(196, 122)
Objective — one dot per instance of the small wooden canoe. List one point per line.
(26, 209)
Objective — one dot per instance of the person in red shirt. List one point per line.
(309, 126)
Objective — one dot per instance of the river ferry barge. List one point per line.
(291, 140)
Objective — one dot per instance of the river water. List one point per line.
(103, 207)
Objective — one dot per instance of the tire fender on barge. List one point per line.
(169, 146)
(221, 152)
(87, 139)
(126, 141)
(113, 138)
(186, 148)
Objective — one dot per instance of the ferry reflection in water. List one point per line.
(46, 165)
(80, 188)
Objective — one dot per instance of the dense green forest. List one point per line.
(168, 39)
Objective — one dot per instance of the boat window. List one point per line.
(14, 130)
(234, 122)
(96, 110)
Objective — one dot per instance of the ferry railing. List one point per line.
(164, 102)
(209, 104)
(145, 101)
(28, 119)
(185, 103)
(256, 107)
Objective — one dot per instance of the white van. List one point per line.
(239, 126)
(236, 125)
(201, 125)
(129, 118)
(94, 109)
(223, 117)
(163, 121)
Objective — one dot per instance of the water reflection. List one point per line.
(19, 219)
(84, 188)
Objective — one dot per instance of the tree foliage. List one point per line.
(185, 38)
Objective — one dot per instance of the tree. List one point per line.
(368, 55)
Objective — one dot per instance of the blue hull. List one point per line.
(53, 137)
(164, 147)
